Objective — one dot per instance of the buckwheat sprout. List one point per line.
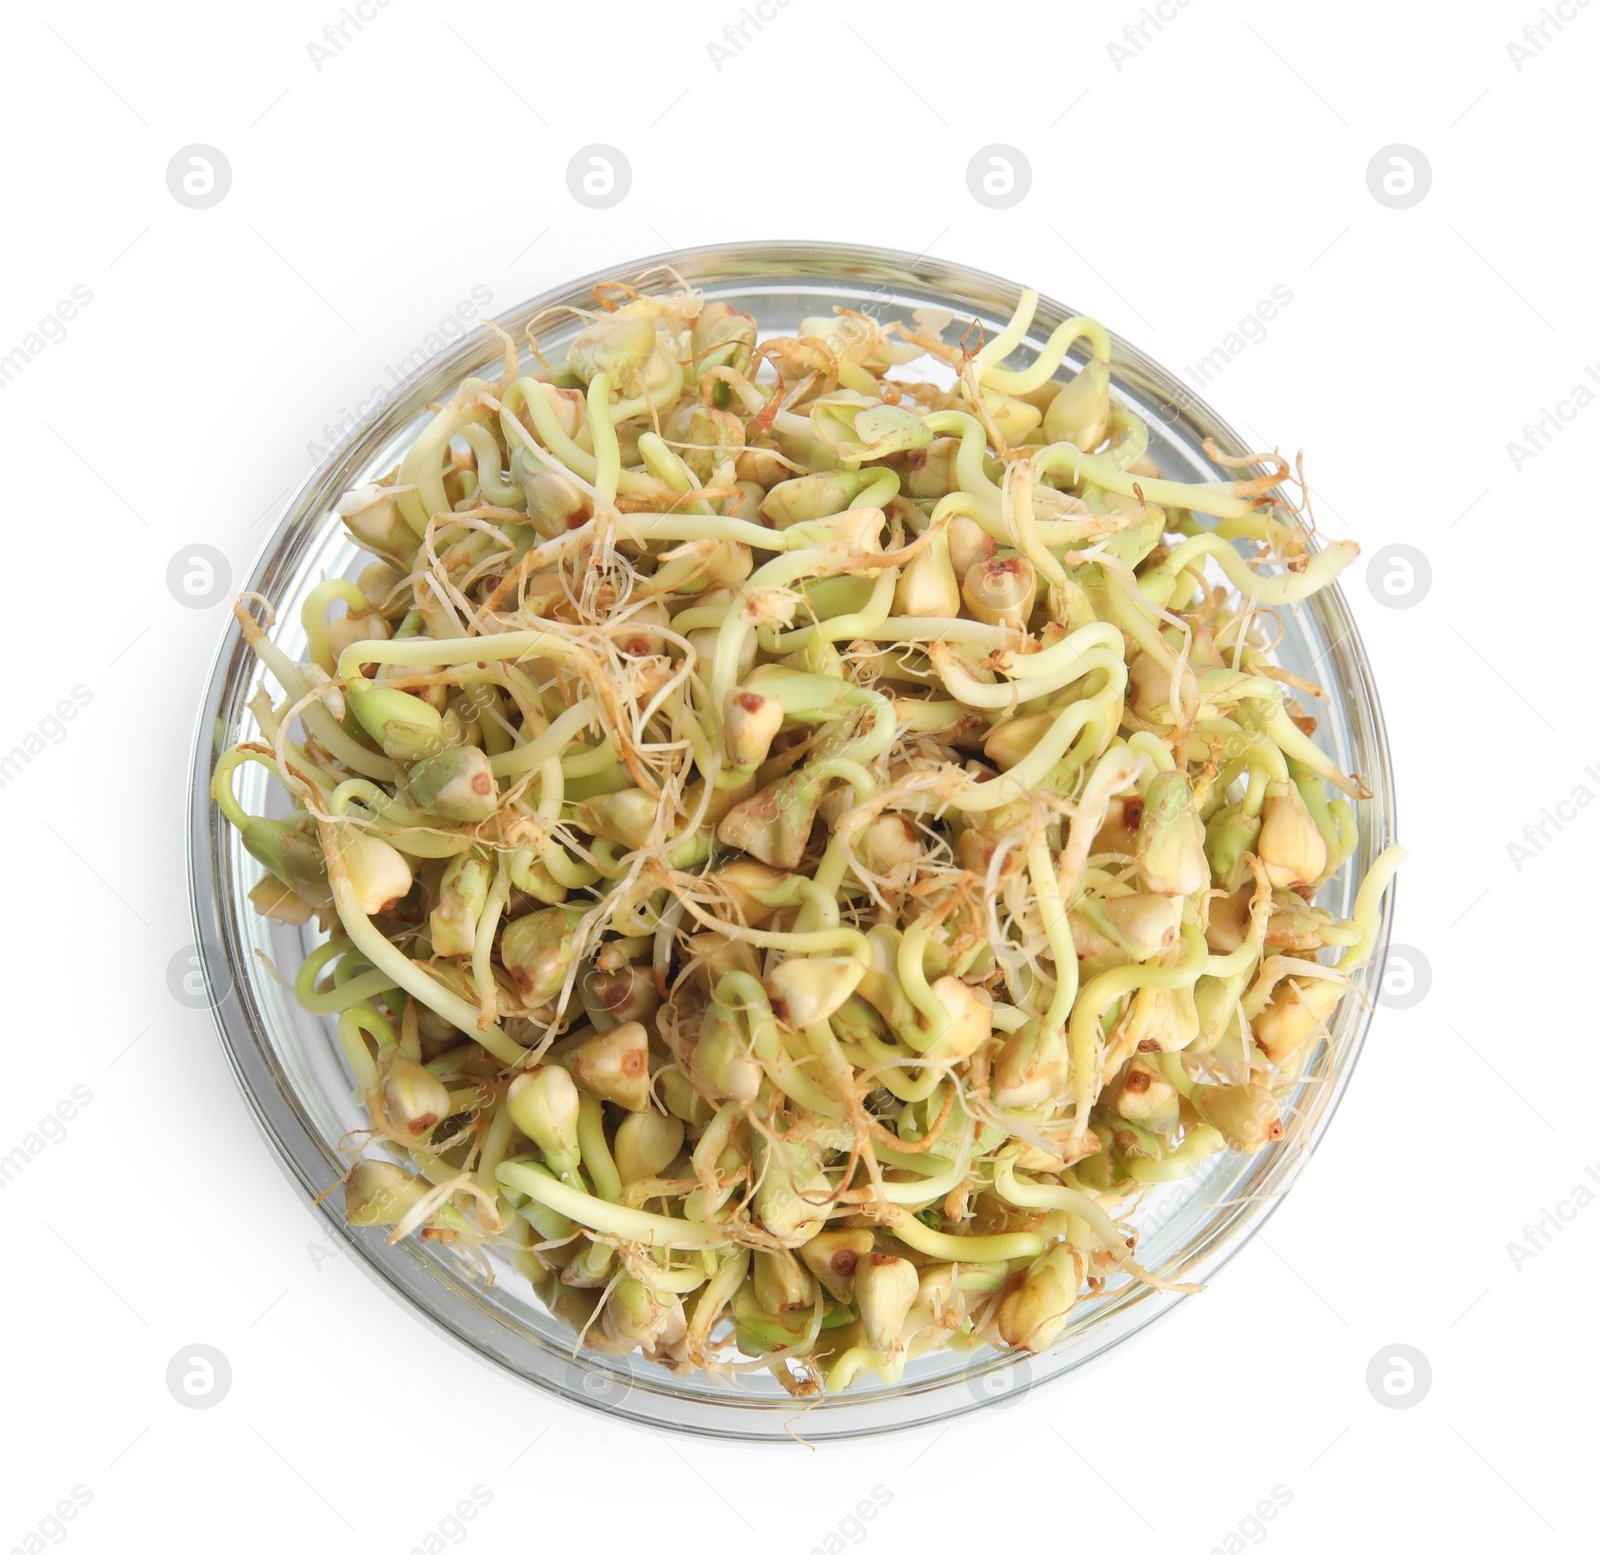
(636, 1226)
(407, 974)
(1253, 749)
(312, 616)
(422, 468)
(1131, 437)
(1053, 912)
(1295, 744)
(1034, 1195)
(548, 745)
(1369, 897)
(603, 431)
(1050, 358)
(1284, 589)
(319, 721)
(352, 1024)
(1222, 499)
(780, 832)
(1016, 505)
(973, 481)
(1084, 1033)
(487, 461)
(1030, 685)
(352, 991)
(553, 442)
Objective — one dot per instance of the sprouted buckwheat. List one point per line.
(802, 846)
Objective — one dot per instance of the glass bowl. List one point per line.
(287, 1062)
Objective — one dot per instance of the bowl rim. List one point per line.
(414, 1278)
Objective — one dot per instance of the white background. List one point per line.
(428, 155)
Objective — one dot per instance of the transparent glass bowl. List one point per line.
(287, 1062)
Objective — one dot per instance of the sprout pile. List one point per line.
(807, 831)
